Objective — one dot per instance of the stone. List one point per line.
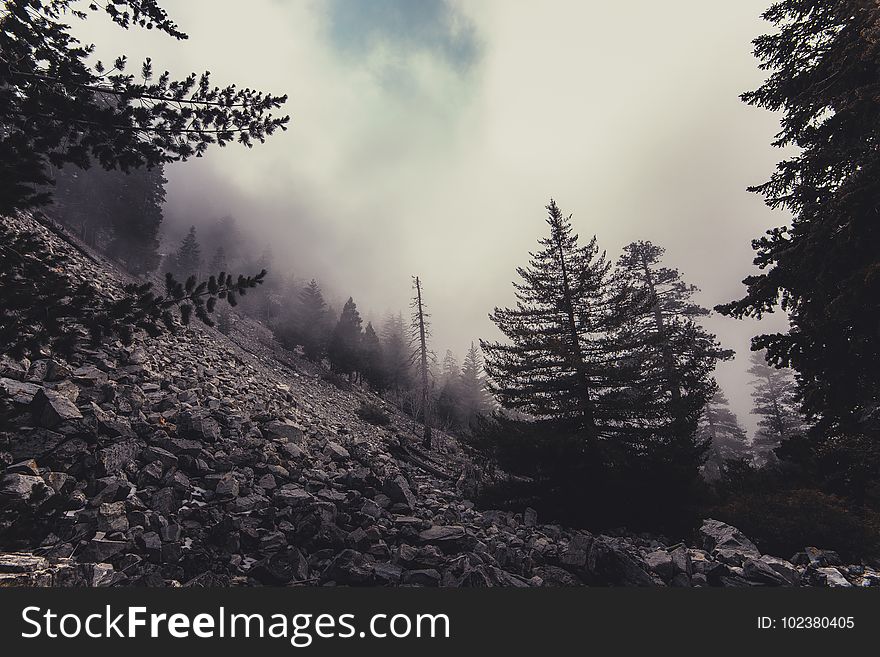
(388, 573)
(822, 558)
(398, 490)
(285, 431)
(292, 495)
(832, 577)
(101, 549)
(449, 538)
(421, 577)
(19, 392)
(118, 456)
(349, 567)
(27, 467)
(530, 517)
(758, 570)
(784, 569)
(336, 452)
(111, 517)
(50, 409)
(22, 488)
(718, 535)
(227, 486)
(611, 564)
(660, 562)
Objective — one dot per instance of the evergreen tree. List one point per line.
(474, 396)
(188, 259)
(721, 430)
(676, 355)
(344, 350)
(396, 352)
(373, 361)
(311, 325)
(58, 107)
(560, 363)
(824, 269)
(775, 401)
(137, 218)
(449, 401)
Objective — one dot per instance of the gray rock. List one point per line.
(718, 535)
(51, 408)
(398, 490)
(421, 577)
(22, 488)
(336, 452)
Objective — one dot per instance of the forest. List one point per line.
(598, 406)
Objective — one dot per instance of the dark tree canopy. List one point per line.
(57, 108)
(344, 350)
(824, 269)
(774, 392)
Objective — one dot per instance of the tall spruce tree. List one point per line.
(312, 330)
(474, 396)
(344, 350)
(137, 219)
(676, 354)
(774, 392)
(560, 363)
(188, 259)
(449, 401)
(398, 362)
(823, 269)
(721, 431)
(373, 360)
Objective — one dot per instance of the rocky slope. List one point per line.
(198, 459)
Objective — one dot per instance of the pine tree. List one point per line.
(449, 401)
(775, 401)
(420, 328)
(373, 360)
(137, 218)
(398, 362)
(721, 430)
(188, 259)
(474, 396)
(58, 107)
(344, 350)
(311, 327)
(824, 269)
(559, 364)
(676, 354)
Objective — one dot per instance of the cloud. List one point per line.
(427, 136)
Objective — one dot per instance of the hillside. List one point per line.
(201, 459)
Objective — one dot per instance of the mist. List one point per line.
(426, 138)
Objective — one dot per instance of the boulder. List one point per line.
(51, 408)
(398, 490)
(610, 563)
(717, 535)
(349, 567)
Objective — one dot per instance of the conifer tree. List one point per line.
(373, 361)
(824, 269)
(774, 392)
(188, 259)
(449, 401)
(474, 396)
(137, 218)
(311, 325)
(396, 352)
(559, 362)
(344, 350)
(676, 354)
(721, 431)
(218, 260)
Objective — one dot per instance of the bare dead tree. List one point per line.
(420, 333)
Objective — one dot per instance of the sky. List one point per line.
(427, 137)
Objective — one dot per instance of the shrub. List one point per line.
(373, 414)
(786, 521)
